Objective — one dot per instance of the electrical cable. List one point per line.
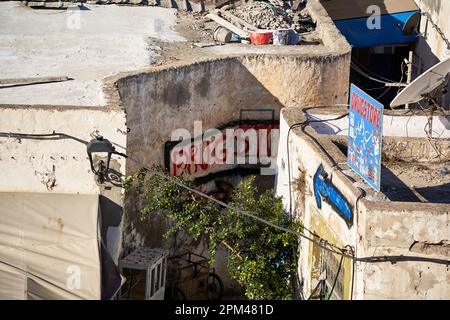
(372, 89)
(41, 136)
(384, 93)
(315, 289)
(327, 246)
(352, 250)
(354, 67)
(438, 30)
(295, 125)
(335, 279)
(366, 70)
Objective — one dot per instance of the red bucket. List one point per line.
(261, 37)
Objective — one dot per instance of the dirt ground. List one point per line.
(418, 182)
(198, 31)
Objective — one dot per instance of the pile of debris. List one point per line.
(262, 22)
(273, 15)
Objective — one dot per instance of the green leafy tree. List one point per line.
(261, 258)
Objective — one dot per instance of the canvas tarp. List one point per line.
(49, 246)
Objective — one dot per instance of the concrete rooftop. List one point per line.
(86, 45)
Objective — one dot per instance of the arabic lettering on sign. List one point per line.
(365, 136)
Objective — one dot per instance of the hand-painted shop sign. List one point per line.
(247, 144)
(364, 136)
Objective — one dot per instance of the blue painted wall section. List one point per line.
(326, 191)
(359, 36)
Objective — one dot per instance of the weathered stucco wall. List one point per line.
(416, 229)
(378, 227)
(61, 165)
(160, 101)
(431, 48)
(25, 162)
(439, 11)
(304, 160)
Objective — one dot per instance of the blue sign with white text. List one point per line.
(364, 136)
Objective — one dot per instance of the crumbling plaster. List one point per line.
(431, 48)
(150, 103)
(213, 90)
(379, 227)
(23, 161)
(439, 10)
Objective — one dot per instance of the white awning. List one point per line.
(49, 246)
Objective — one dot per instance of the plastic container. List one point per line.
(281, 37)
(285, 37)
(260, 37)
(235, 38)
(293, 37)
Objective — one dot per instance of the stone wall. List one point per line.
(163, 100)
(416, 229)
(25, 162)
(378, 226)
(159, 100)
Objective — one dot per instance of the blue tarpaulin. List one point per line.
(390, 33)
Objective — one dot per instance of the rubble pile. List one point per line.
(271, 15)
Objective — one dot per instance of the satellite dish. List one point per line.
(412, 24)
(424, 85)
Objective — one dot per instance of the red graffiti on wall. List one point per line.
(200, 156)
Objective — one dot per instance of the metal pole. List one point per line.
(410, 65)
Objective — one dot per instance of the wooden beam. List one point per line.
(232, 17)
(224, 23)
(31, 81)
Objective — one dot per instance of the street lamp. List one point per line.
(102, 147)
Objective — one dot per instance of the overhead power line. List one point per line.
(364, 74)
(41, 136)
(327, 246)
